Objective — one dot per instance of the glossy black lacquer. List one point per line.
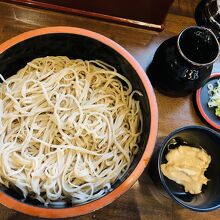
(202, 98)
(75, 47)
(181, 64)
(195, 136)
(202, 17)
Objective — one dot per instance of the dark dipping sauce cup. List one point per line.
(183, 63)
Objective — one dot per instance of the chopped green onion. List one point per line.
(214, 96)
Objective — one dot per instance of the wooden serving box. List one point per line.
(149, 14)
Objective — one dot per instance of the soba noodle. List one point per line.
(68, 129)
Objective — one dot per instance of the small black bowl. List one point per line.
(195, 136)
(201, 102)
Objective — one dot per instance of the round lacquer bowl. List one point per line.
(202, 99)
(83, 44)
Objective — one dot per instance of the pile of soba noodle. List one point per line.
(68, 129)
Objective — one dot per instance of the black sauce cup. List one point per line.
(183, 63)
(195, 136)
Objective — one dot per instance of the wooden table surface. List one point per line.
(143, 200)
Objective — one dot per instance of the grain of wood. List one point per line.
(143, 201)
